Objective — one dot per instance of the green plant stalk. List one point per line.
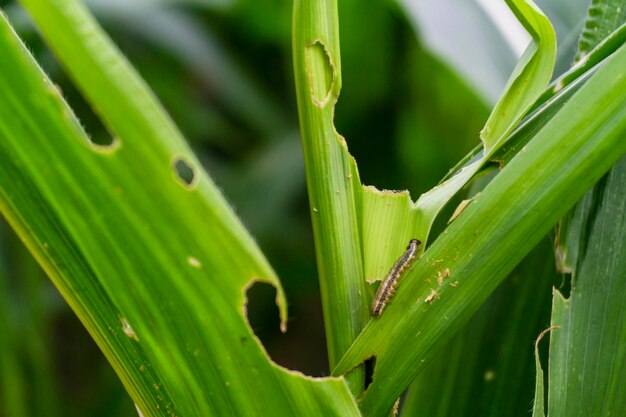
(331, 177)
(493, 233)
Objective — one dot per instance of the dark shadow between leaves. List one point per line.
(303, 347)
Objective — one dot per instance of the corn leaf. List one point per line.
(568, 155)
(136, 236)
(487, 369)
(588, 343)
(360, 230)
(587, 347)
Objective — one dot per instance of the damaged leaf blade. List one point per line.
(155, 265)
(493, 233)
(332, 178)
(586, 365)
(529, 78)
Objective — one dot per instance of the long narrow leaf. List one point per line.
(587, 348)
(487, 369)
(529, 79)
(531, 75)
(587, 351)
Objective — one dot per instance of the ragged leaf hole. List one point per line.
(89, 122)
(369, 371)
(320, 72)
(303, 347)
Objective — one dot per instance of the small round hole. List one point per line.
(184, 171)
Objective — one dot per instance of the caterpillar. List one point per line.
(388, 286)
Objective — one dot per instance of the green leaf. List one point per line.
(487, 369)
(550, 102)
(529, 79)
(530, 76)
(580, 143)
(475, 49)
(539, 400)
(340, 208)
(586, 365)
(478, 49)
(586, 353)
(136, 236)
(603, 17)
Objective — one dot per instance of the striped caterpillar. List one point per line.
(388, 286)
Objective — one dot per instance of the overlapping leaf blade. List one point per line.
(492, 234)
(334, 189)
(588, 341)
(486, 369)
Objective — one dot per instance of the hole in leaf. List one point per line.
(321, 73)
(81, 116)
(104, 141)
(184, 172)
(566, 285)
(369, 371)
(303, 347)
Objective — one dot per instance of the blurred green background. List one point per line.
(412, 105)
